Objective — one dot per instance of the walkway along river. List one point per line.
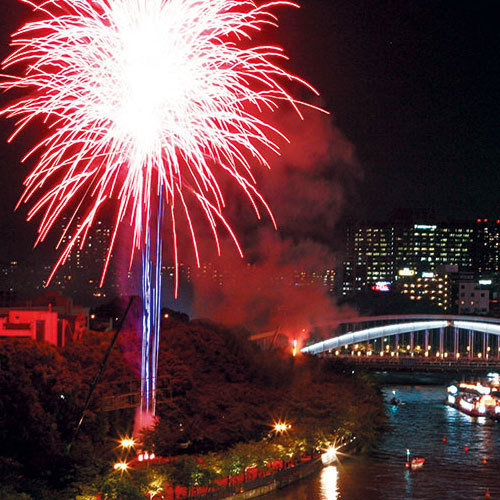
(421, 424)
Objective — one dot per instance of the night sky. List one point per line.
(413, 85)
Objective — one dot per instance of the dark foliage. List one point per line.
(216, 389)
(219, 389)
(43, 392)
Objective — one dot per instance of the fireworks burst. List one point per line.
(143, 97)
(146, 102)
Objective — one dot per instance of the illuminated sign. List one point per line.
(485, 282)
(423, 226)
(406, 271)
(382, 286)
(427, 275)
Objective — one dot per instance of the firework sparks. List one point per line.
(146, 102)
(142, 97)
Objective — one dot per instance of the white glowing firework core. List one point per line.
(156, 81)
(143, 96)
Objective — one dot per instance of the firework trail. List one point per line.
(151, 316)
(142, 100)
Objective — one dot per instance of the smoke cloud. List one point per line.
(280, 281)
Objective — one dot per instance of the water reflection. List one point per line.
(329, 483)
(462, 457)
(408, 484)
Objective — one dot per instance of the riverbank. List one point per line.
(277, 481)
(419, 425)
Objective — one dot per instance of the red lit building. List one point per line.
(52, 318)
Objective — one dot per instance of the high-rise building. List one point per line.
(487, 245)
(80, 275)
(424, 247)
(387, 253)
(369, 257)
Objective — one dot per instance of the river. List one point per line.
(420, 424)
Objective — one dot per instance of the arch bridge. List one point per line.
(428, 338)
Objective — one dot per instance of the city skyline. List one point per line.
(412, 88)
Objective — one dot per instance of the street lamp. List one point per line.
(121, 466)
(127, 443)
(329, 456)
(280, 427)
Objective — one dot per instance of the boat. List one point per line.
(476, 399)
(415, 463)
(394, 400)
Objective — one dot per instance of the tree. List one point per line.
(124, 486)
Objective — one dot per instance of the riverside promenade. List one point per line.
(252, 483)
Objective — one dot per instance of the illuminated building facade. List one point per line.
(50, 318)
(370, 257)
(424, 247)
(410, 255)
(84, 260)
(80, 275)
(428, 286)
(487, 250)
(40, 325)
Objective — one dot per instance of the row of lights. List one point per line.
(417, 349)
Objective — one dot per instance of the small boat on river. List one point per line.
(415, 463)
(394, 400)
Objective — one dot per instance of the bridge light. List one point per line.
(359, 353)
(381, 353)
(488, 348)
(392, 353)
(426, 354)
(337, 353)
(479, 355)
(352, 353)
(355, 346)
(418, 348)
(468, 348)
(437, 354)
(429, 347)
(458, 355)
(368, 353)
(445, 354)
(408, 347)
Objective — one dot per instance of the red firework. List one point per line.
(142, 97)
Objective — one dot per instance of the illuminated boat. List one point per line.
(476, 400)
